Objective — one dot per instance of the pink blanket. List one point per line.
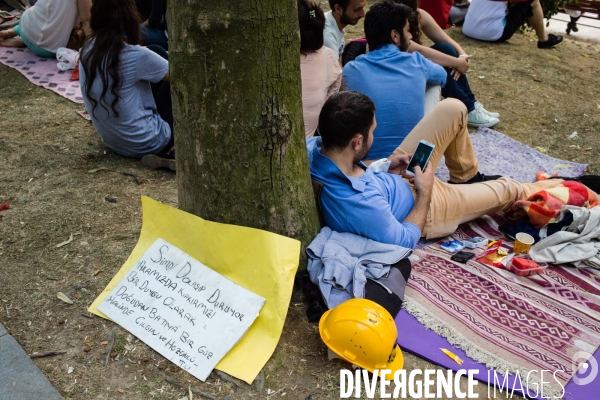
(42, 72)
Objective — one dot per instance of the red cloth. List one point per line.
(75, 75)
(439, 10)
(544, 207)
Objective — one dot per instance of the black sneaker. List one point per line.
(479, 177)
(552, 41)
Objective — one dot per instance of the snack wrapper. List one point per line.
(496, 255)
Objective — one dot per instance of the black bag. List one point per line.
(387, 291)
(353, 49)
(591, 181)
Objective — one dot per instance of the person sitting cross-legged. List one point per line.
(125, 87)
(496, 21)
(392, 207)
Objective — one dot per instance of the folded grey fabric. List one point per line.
(579, 244)
(340, 263)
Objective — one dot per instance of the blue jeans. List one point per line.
(459, 89)
(154, 36)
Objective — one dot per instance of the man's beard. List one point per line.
(345, 20)
(403, 46)
(362, 153)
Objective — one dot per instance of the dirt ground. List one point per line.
(47, 153)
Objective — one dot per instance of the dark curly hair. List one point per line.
(381, 19)
(414, 21)
(312, 23)
(344, 115)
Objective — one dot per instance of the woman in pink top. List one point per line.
(320, 68)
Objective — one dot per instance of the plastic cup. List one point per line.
(523, 243)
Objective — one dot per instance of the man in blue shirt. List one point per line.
(394, 79)
(392, 207)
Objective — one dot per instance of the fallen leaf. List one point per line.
(64, 297)
(105, 342)
(541, 149)
(120, 391)
(66, 241)
(585, 55)
(553, 57)
(97, 272)
(91, 171)
(562, 166)
(529, 104)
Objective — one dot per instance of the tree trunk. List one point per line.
(235, 83)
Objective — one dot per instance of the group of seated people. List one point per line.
(381, 113)
(375, 107)
(124, 69)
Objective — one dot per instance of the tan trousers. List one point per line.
(451, 205)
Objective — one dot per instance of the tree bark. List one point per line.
(239, 132)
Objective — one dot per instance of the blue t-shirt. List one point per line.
(139, 129)
(395, 81)
(373, 205)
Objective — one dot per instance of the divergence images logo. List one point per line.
(588, 368)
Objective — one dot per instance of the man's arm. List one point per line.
(436, 74)
(424, 184)
(460, 64)
(436, 34)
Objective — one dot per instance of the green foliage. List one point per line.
(551, 7)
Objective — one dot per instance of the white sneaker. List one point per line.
(479, 118)
(491, 114)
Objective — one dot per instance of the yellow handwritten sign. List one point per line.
(262, 262)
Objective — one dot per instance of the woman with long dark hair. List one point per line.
(125, 86)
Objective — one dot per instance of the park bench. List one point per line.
(586, 6)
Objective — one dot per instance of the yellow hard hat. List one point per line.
(364, 333)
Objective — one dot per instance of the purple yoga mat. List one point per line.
(415, 338)
(499, 154)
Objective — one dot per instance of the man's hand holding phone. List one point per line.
(423, 180)
(398, 164)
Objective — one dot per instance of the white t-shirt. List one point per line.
(139, 129)
(485, 20)
(332, 36)
(48, 24)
